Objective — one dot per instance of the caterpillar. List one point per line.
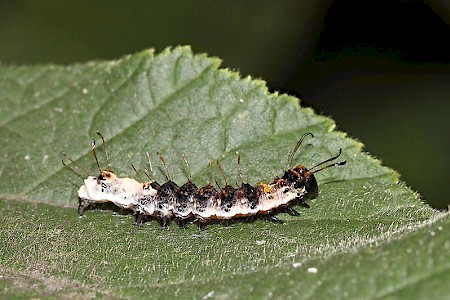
(188, 203)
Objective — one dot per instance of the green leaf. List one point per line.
(177, 102)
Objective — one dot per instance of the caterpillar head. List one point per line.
(300, 178)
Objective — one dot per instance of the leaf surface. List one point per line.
(176, 102)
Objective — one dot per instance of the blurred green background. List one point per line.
(380, 68)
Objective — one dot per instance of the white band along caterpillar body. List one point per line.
(188, 203)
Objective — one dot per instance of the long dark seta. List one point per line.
(76, 164)
(187, 167)
(221, 172)
(149, 159)
(95, 155)
(341, 163)
(108, 168)
(292, 153)
(137, 173)
(239, 168)
(325, 161)
(168, 177)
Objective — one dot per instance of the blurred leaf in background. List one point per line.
(385, 79)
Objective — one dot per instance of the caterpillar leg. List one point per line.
(183, 223)
(164, 222)
(82, 205)
(273, 219)
(226, 222)
(301, 202)
(290, 211)
(202, 225)
(139, 220)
